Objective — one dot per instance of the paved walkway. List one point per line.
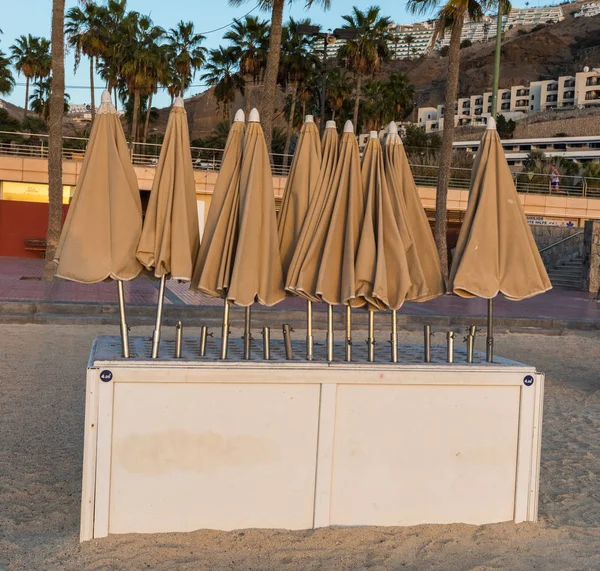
(20, 280)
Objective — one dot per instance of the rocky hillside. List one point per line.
(557, 49)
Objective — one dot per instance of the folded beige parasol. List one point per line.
(382, 273)
(257, 273)
(340, 225)
(170, 236)
(423, 261)
(212, 270)
(299, 190)
(496, 252)
(104, 222)
(302, 273)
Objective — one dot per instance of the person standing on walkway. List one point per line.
(554, 179)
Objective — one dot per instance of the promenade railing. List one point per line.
(208, 159)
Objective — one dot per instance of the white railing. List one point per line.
(208, 159)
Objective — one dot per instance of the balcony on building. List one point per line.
(553, 87)
(466, 104)
(522, 103)
(479, 101)
(551, 98)
(592, 96)
(595, 80)
(570, 83)
(569, 95)
(522, 92)
(506, 95)
(505, 106)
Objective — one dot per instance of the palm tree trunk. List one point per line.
(441, 220)
(26, 95)
(182, 84)
(134, 118)
(92, 94)
(57, 107)
(270, 83)
(357, 101)
(290, 126)
(147, 123)
(116, 96)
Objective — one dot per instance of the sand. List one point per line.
(41, 440)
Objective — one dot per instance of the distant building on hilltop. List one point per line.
(578, 91)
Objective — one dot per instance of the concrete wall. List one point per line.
(545, 236)
(591, 257)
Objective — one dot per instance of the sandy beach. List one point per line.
(42, 371)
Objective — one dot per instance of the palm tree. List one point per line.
(109, 65)
(158, 72)
(249, 38)
(187, 53)
(400, 94)
(55, 142)
(450, 15)
(408, 40)
(338, 90)
(375, 107)
(272, 67)
(7, 81)
(365, 54)
(221, 73)
(140, 56)
(86, 32)
(31, 56)
(40, 99)
(298, 63)
(394, 39)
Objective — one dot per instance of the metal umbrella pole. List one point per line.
(329, 332)
(489, 350)
(309, 331)
(348, 333)
(247, 333)
(159, 312)
(225, 331)
(371, 338)
(394, 336)
(124, 329)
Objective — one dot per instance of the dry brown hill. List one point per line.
(558, 49)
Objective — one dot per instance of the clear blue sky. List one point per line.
(33, 16)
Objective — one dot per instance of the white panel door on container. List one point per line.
(406, 455)
(218, 456)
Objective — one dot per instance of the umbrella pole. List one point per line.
(394, 336)
(309, 331)
(124, 330)
(371, 339)
(247, 334)
(329, 332)
(489, 353)
(159, 312)
(225, 331)
(348, 333)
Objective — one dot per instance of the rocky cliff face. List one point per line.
(557, 49)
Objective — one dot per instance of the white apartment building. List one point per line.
(78, 108)
(588, 10)
(581, 90)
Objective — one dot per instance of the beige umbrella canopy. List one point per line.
(423, 261)
(496, 252)
(339, 227)
(303, 269)
(170, 237)
(212, 270)
(382, 273)
(104, 222)
(299, 190)
(257, 273)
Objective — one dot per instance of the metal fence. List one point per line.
(147, 154)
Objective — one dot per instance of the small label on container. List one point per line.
(528, 381)
(106, 376)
